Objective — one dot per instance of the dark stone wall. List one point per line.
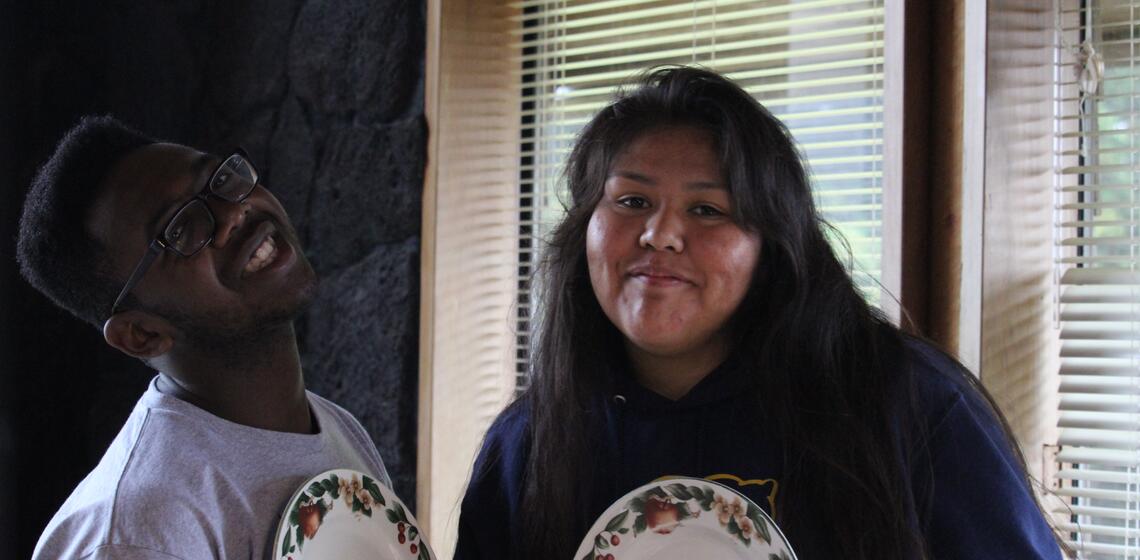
(327, 98)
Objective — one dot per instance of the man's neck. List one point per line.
(259, 384)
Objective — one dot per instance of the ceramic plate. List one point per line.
(683, 518)
(347, 515)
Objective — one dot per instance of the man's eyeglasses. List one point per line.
(193, 225)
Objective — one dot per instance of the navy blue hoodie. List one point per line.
(980, 507)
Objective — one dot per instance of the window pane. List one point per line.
(816, 64)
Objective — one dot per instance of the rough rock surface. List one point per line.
(326, 95)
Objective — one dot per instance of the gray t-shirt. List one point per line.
(179, 482)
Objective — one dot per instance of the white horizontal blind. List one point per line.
(816, 64)
(1098, 237)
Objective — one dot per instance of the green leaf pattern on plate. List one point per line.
(359, 494)
(662, 508)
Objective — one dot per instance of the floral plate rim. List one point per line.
(663, 505)
(360, 493)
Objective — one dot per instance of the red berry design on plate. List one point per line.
(609, 557)
(615, 540)
(400, 526)
(402, 538)
(414, 548)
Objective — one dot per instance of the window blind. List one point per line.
(816, 64)
(1097, 224)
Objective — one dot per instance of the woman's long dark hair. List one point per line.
(828, 361)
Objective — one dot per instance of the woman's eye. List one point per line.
(706, 211)
(635, 202)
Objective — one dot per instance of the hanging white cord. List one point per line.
(1088, 63)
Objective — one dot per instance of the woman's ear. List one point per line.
(139, 334)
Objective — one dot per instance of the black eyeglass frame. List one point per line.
(159, 243)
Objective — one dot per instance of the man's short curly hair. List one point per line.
(57, 254)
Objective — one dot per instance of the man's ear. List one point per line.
(139, 334)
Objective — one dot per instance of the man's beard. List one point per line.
(235, 334)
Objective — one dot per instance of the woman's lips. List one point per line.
(656, 276)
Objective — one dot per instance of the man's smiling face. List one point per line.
(253, 275)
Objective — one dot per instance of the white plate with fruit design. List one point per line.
(347, 515)
(683, 518)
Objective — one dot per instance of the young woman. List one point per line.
(696, 322)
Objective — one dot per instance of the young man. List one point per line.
(190, 264)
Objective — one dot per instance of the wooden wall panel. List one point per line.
(470, 256)
(942, 270)
(1019, 341)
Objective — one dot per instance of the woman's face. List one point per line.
(667, 263)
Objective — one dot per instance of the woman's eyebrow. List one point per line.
(649, 181)
(633, 176)
(705, 185)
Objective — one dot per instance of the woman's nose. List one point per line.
(664, 231)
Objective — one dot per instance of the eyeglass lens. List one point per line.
(234, 179)
(191, 229)
(193, 226)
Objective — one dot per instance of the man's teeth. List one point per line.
(262, 256)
